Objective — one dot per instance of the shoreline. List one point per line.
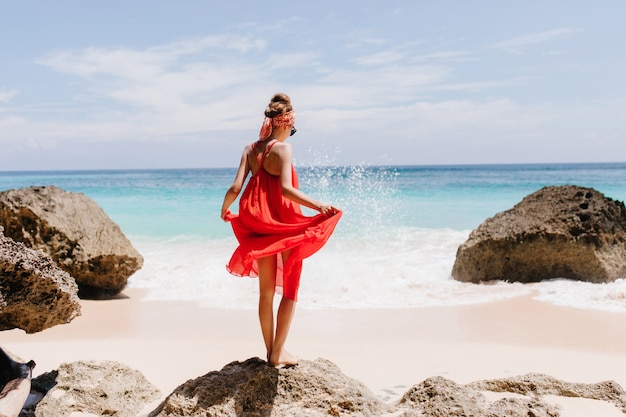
(389, 350)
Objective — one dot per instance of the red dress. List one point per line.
(269, 224)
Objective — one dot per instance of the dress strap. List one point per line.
(256, 155)
(267, 150)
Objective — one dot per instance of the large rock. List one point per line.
(438, 397)
(251, 388)
(75, 232)
(34, 292)
(538, 385)
(312, 389)
(557, 232)
(522, 396)
(100, 388)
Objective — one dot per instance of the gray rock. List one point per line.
(35, 293)
(439, 397)
(313, 389)
(251, 388)
(101, 388)
(521, 407)
(537, 385)
(75, 232)
(557, 232)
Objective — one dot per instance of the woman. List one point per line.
(274, 236)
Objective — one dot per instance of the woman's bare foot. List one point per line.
(282, 358)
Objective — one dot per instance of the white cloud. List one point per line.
(213, 89)
(170, 89)
(200, 85)
(447, 56)
(402, 53)
(452, 118)
(521, 43)
(382, 58)
(140, 64)
(10, 121)
(294, 60)
(399, 81)
(7, 95)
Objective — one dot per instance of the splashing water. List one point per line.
(365, 194)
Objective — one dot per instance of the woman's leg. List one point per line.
(267, 286)
(279, 356)
(286, 310)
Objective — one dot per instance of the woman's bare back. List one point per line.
(271, 163)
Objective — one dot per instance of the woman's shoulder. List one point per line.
(280, 150)
(281, 147)
(280, 153)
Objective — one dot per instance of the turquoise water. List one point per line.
(186, 203)
(394, 247)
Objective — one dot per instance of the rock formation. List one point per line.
(312, 388)
(251, 388)
(35, 293)
(557, 232)
(75, 232)
(438, 396)
(537, 385)
(318, 388)
(101, 388)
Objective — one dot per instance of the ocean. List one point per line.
(394, 247)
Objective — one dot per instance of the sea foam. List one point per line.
(408, 268)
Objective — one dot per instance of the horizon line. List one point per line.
(446, 165)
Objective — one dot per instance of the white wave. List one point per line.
(607, 296)
(407, 270)
(401, 269)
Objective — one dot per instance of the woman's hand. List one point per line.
(328, 209)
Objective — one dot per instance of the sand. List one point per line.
(387, 349)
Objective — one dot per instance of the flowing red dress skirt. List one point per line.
(268, 224)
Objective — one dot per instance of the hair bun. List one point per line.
(280, 103)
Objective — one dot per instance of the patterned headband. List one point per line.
(282, 120)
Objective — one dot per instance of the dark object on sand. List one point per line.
(14, 384)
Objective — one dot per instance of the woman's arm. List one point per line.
(235, 188)
(286, 183)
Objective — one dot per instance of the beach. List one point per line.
(389, 350)
(378, 300)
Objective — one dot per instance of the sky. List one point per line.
(140, 84)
